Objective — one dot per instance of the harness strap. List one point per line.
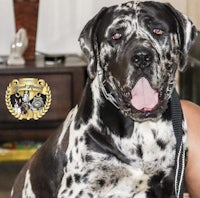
(177, 117)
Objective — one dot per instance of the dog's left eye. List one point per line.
(158, 32)
(116, 36)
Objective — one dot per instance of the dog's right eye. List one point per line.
(116, 36)
(158, 31)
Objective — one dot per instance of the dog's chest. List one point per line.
(151, 146)
(150, 150)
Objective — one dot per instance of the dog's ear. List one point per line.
(187, 33)
(88, 43)
(190, 35)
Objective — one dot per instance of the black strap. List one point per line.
(177, 117)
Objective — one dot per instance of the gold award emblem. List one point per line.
(28, 98)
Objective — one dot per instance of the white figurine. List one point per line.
(18, 46)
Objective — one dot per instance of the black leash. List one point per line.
(177, 117)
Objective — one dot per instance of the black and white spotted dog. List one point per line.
(119, 142)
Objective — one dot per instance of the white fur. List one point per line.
(27, 190)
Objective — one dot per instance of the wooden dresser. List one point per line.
(66, 84)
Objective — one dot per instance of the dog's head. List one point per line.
(135, 49)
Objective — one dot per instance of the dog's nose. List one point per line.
(142, 58)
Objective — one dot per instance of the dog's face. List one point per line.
(136, 48)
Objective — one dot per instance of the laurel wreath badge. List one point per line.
(28, 98)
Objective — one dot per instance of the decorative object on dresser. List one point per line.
(18, 47)
(7, 30)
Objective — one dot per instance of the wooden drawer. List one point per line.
(66, 84)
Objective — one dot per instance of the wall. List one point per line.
(176, 3)
(29, 8)
(193, 7)
(190, 8)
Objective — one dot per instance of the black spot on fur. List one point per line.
(163, 158)
(140, 182)
(82, 158)
(77, 178)
(64, 191)
(139, 151)
(101, 182)
(71, 192)
(88, 158)
(161, 186)
(90, 195)
(86, 175)
(76, 142)
(79, 194)
(70, 157)
(69, 181)
(114, 180)
(161, 144)
(168, 55)
(155, 182)
(104, 168)
(154, 133)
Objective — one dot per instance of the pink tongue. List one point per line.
(143, 96)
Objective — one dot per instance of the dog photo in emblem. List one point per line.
(127, 138)
(28, 98)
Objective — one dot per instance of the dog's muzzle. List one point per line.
(143, 96)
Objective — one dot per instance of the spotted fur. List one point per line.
(106, 148)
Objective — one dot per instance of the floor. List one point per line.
(8, 172)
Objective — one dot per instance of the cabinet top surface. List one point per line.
(30, 67)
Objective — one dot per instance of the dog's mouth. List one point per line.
(140, 101)
(143, 101)
(143, 97)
